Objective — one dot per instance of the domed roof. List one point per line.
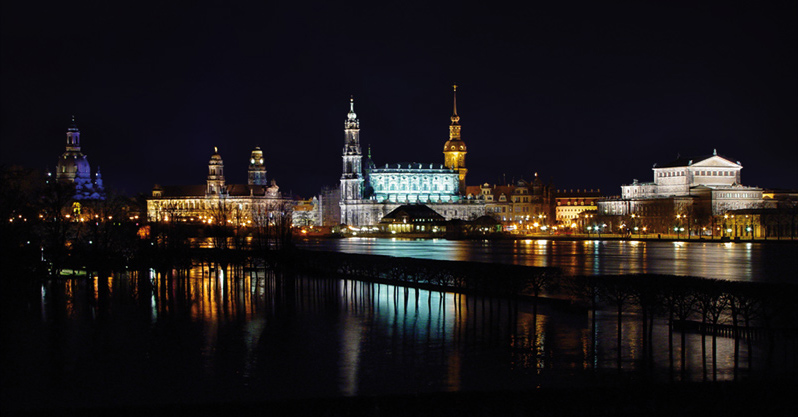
(454, 146)
(82, 165)
(216, 158)
(73, 164)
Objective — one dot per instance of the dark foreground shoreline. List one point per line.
(772, 398)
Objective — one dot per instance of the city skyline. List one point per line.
(588, 98)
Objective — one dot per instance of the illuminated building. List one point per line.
(713, 176)
(570, 204)
(330, 206)
(73, 167)
(685, 194)
(413, 218)
(516, 205)
(369, 193)
(306, 212)
(216, 200)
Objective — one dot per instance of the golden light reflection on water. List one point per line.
(351, 329)
(741, 261)
(208, 295)
(70, 287)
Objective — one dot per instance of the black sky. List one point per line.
(590, 95)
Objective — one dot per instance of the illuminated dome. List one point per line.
(256, 158)
(72, 165)
(351, 116)
(216, 158)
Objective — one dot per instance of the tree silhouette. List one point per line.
(711, 303)
(618, 292)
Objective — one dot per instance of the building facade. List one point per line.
(217, 202)
(369, 192)
(686, 194)
(517, 206)
(572, 203)
(715, 174)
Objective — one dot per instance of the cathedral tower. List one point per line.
(216, 175)
(454, 150)
(352, 176)
(257, 171)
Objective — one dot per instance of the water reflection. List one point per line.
(224, 335)
(711, 259)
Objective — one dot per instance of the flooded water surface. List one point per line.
(148, 338)
(738, 261)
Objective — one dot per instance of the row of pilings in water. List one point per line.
(744, 311)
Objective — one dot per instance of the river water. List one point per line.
(145, 338)
(738, 261)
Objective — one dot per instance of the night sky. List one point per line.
(589, 96)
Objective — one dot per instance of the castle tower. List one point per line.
(257, 171)
(352, 176)
(454, 150)
(216, 175)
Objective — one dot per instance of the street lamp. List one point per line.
(725, 229)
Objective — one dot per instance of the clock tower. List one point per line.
(257, 171)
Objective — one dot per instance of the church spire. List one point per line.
(454, 150)
(454, 128)
(455, 117)
(352, 175)
(351, 117)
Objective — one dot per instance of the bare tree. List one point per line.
(587, 289)
(57, 226)
(618, 291)
(710, 302)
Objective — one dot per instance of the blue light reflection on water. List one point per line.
(740, 261)
(150, 338)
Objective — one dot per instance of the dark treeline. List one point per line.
(744, 311)
(46, 231)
